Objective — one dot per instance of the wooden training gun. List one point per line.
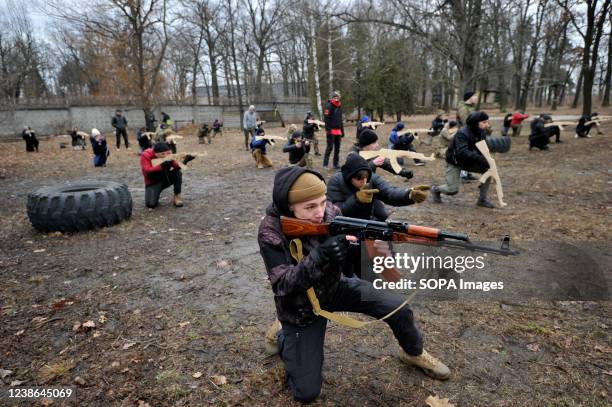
(393, 155)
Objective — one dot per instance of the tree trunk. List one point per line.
(214, 80)
(578, 88)
(235, 61)
(315, 65)
(608, 80)
(330, 61)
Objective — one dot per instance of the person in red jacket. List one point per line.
(334, 129)
(161, 176)
(517, 123)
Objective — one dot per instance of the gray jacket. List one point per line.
(250, 120)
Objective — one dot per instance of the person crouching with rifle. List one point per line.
(462, 154)
(322, 265)
(161, 176)
(299, 150)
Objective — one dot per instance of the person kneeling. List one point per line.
(360, 193)
(299, 150)
(323, 264)
(462, 154)
(161, 176)
(258, 150)
(542, 131)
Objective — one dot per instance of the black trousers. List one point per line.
(153, 191)
(301, 348)
(118, 134)
(333, 143)
(32, 144)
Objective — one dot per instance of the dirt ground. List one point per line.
(179, 295)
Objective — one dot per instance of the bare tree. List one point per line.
(595, 17)
(139, 35)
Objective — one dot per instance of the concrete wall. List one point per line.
(58, 120)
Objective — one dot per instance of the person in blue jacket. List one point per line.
(258, 149)
(403, 142)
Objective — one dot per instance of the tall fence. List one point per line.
(57, 120)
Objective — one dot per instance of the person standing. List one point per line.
(308, 131)
(119, 123)
(334, 128)
(249, 125)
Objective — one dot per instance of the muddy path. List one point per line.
(177, 291)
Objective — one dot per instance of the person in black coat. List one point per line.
(541, 134)
(308, 131)
(298, 148)
(334, 127)
(31, 141)
(462, 154)
(368, 141)
(359, 193)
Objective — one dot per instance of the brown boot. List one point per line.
(272, 338)
(429, 364)
(178, 201)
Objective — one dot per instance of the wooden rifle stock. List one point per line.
(293, 227)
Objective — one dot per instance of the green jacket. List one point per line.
(463, 111)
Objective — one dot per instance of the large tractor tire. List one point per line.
(499, 144)
(79, 206)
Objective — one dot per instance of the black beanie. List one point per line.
(367, 137)
(474, 118)
(467, 95)
(354, 163)
(161, 147)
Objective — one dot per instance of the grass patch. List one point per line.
(55, 370)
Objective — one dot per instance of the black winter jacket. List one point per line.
(333, 117)
(295, 153)
(342, 193)
(463, 152)
(290, 279)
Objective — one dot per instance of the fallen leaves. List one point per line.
(433, 401)
(197, 375)
(89, 324)
(4, 373)
(128, 345)
(16, 383)
(183, 324)
(218, 380)
(534, 347)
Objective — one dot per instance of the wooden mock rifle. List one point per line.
(178, 157)
(393, 156)
(413, 131)
(372, 125)
(491, 172)
(319, 123)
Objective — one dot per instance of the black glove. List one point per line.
(406, 173)
(188, 158)
(166, 165)
(332, 250)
